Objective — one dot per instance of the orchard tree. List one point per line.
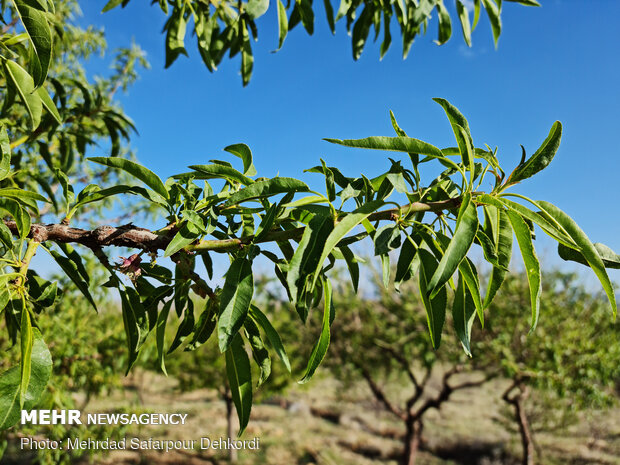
(564, 363)
(228, 26)
(431, 223)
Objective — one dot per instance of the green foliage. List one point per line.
(431, 224)
(226, 26)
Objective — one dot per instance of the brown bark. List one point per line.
(517, 401)
(230, 426)
(413, 437)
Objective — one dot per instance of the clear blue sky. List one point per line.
(558, 62)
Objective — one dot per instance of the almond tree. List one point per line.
(216, 208)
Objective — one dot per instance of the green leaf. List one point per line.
(305, 260)
(463, 314)
(243, 151)
(435, 306)
(532, 265)
(5, 155)
(493, 12)
(33, 18)
(24, 84)
(21, 217)
(136, 170)
(320, 348)
(470, 276)
(234, 301)
(445, 25)
(271, 333)
(387, 238)
(205, 326)
(259, 352)
(136, 323)
(187, 234)
(186, 327)
(457, 120)
(541, 158)
(266, 222)
(160, 335)
(502, 238)
(262, 189)
(329, 13)
(175, 36)
(464, 19)
(407, 264)
(111, 5)
(216, 171)
(343, 228)
(21, 194)
(464, 234)
(40, 372)
(361, 30)
(247, 58)
(70, 268)
(610, 258)
(352, 265)
(48, 103)
(396, 144)
(282, 24)
(26, 342)
(256, 8)
(239, 375)
(587, 249)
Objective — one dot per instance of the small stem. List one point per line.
(31, 250)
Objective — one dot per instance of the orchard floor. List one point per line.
(322, 423)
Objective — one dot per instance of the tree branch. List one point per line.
(380, 395)
(132, 236)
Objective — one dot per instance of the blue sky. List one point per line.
(558, 62)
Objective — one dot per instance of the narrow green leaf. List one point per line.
(320, 348)
(587, 249)
(396, 144)
(282, 24)
(464, 19)
(160, 335)
(216, 171)
(445, 25)
(407, 264)
(435, 306)
(5, 155)
(610, 258)
(463, 314)
(136, 323)
(205, 326)
(187, 234)
(48, 103)
(175, 36)
(261, 189)
(329, 13)
(502, 232)
(239, 375)
(541, 158)
(387, 238)
(33, 17)
(343, 228)
(352, 265)
(111, 5)
(136, 170)
(71, 270)
(234, 301)
(259, 352)
(457, 119)
(24, 84)
(470, 277)
(493, 12)
(273, 336)
(464, 234)
(243, 151)
(40, 372)
(532, 265)
(21, 216)
(26, 342)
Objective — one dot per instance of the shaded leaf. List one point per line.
(234, 301)
(239, 375)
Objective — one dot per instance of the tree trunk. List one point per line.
(412, 440)
(522, 392)
(230, 417)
